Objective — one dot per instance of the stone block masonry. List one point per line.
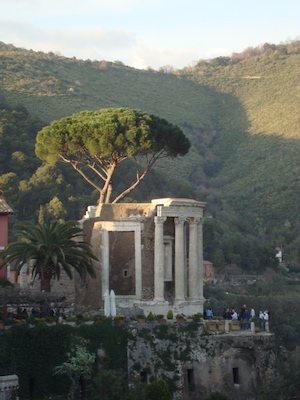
(195, 363)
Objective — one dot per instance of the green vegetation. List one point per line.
(48, 248)
(158, 390)
(76, 367)
(239, 113)
(216, 396)
(101, 140)
(275, 294)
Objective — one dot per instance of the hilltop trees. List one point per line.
(95, 142)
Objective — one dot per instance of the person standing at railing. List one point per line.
(262, 319)
(266, 320)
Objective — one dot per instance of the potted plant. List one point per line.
(160, 318)
(41, 321)
(141, 318)
(88, 320)
(170, 315)
(180, 318)
(150, 316)
(100, 318)
(120, 319)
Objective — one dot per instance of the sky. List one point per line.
(147, 33)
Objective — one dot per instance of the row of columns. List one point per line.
(195, 285)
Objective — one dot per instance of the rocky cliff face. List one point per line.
(195, 363)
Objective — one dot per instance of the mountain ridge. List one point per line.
(239, 112)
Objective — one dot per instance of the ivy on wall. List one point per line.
(33, 353)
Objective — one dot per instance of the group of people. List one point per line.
(208, 313)
(244, 314)
(264, 318)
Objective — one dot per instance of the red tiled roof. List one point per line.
(4, 207)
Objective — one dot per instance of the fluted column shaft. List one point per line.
(159, 258)
(194, 259)
(179, 259)
(200, 258)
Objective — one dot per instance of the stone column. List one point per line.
(23, 277)
(193, 259)
(179, 259)
(159, 258)
(200, 258)
(105, 263)
(138, 261)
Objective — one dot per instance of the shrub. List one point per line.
(99, 317)
(217, 396)
(71, 319)
(197, 317)
(5, 283)
(158, 390)
(150, 316)
(170, 314)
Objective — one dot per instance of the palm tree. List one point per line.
(48, 248)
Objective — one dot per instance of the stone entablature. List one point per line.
(9, 385)
(149, 254)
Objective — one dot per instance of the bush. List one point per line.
(197, 317)
(158, 390)
(150, 316)
(170, 314)
(5, 283)
(217, 396)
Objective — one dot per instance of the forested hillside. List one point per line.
(241, 114)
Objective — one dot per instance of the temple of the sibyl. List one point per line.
(150, 255)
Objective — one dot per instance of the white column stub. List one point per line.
(159, 258)
(179, 259)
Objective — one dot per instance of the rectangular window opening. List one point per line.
(236, 379)
(125, 273)
(144, 376)
(190, 376)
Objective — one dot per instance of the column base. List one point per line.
(189, 307)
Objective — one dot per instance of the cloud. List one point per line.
(95, 43)
(156, 58)
(218, 52)
(67, 8)
(43, 8)
(82, 42)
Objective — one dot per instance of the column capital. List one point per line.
(159, 220)
(195, 220)
(179, 221)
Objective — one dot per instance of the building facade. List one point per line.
(150, 255)
(5, 211)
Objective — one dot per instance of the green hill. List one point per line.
(241, 114)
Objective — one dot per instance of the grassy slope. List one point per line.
(78, 86)
(244, 116)
(263, 174)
